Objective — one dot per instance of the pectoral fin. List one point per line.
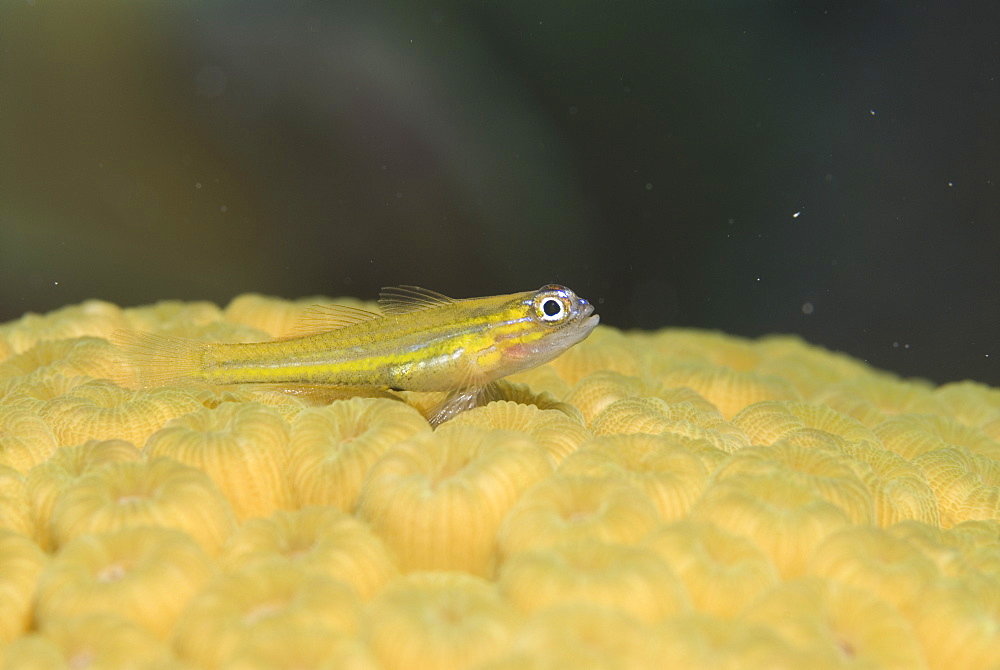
(462, 400)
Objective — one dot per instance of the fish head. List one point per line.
(553, 319)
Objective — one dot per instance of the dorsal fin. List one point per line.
(404, 299)
(318, 319)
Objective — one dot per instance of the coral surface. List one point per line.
(679, 499)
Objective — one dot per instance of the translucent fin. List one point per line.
(324, 318)
(463, 399)
(474, 391)
(149, 361)
(404, 299)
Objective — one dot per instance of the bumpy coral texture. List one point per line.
(677, 499)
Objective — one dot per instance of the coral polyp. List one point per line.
(144, 574)
(438, 499)
(668, 499)
(242, 446)
(332, 448)
(438, 620)
(320, 540)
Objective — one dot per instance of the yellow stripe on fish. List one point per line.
(422, 341)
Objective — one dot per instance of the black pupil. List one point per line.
(551, 307)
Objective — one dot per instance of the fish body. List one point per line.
(422, 341)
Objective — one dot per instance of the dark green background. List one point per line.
(651, 155)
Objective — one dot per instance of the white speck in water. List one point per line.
(796, 215)
(808, 308)
(55, 283)
(197, 184)
(951, 183)
(872, 111)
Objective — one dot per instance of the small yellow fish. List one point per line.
(422, 341)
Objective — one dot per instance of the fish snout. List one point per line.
(588, 320)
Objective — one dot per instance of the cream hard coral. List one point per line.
(653, 415)
(144, 574)
(438, 620)
(838, 624)
(46, 481)
(90, 641)
(722, 572)
(25, 439)
(557, 432)
(101, 410)
(570, 508)
(15, 511)
(320, 540)
(589, 637)
(91, 318)
(665, 469)
(669, 499)
(786, 521)
(332, 448)
(159, 492)
(632, 579)
(21, 561)
(243, 447)
(438, 499)
(264, 602)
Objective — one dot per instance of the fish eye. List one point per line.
(552, 308)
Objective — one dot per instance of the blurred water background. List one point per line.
(822, 168)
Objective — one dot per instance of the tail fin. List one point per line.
(149, 361)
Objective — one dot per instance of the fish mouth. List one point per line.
(590, 320)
